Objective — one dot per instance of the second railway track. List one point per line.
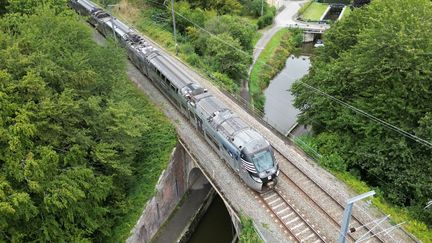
(297, 227)
(319, 198)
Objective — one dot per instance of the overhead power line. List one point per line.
(341, 102)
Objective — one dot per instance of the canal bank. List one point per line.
(272, 83)
(279, 110)
(201, 216)
(271, 61)
(190, 209)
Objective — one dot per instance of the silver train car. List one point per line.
(247, 152)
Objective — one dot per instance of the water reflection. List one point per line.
(278, 108)
(215, 226)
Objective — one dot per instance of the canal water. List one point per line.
(215, 226)
(279, 110)
(334, 13)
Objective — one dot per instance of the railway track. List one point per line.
(297, 227)
(319, 198)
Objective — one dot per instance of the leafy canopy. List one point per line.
(379, 60)
(70, 137)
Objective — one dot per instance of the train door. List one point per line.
(236, 162)
(199, 125)
(147, 64)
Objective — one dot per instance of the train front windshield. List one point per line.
(263, 161)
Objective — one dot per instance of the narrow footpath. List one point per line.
(285, 18)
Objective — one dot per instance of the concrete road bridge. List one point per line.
(307, 205)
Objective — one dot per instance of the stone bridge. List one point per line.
(181, 173)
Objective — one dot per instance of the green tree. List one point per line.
(224, 53)
(237, 27)
(69, 139)
(221, 6)
(378, 60)
(254, 7)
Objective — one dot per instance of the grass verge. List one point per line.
(346, 13)
(304, 7)
(270, 62)
(398, 215)
(158, 144)
(248, 233)
(314, 11)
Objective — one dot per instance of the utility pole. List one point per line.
(174, 26)
(112, 20)
(347, 214)
(262, 7)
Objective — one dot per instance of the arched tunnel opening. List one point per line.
(201, 215)
(215, 225)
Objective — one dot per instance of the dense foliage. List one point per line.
(378, 59)
(225, 56)
(224, 52)
(72, 131)
(248, 233)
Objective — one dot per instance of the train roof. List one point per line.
(87, 4)
(224, 121)
(122, 29)
(177, 77)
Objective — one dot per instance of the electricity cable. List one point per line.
(331, 97)
(351, 107)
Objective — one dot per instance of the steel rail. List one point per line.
(316, 184)
(305, 194)
(307, 225)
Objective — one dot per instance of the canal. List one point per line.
(279, 111)
(215, 226)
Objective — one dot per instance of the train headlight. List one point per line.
(257, 179)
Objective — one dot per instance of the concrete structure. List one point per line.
(174, 182)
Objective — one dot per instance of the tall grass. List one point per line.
(398, 214)
(158, 144)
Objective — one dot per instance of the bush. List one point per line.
(270, 62)
(335, 1)
(224, 81)
(267, 18)
(332, 162)
(248, 233)
(304, 7)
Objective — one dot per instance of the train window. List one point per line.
(210, 137)
(192, 115)
(242, 155)
(173, 88)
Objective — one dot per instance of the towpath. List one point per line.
(285, 18)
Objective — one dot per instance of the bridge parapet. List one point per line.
(182, 170)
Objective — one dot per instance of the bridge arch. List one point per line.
(194, 175)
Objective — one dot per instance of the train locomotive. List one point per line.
(247, 152)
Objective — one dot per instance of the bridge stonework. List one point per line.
(173, 183)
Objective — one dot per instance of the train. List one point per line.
(245, 150)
